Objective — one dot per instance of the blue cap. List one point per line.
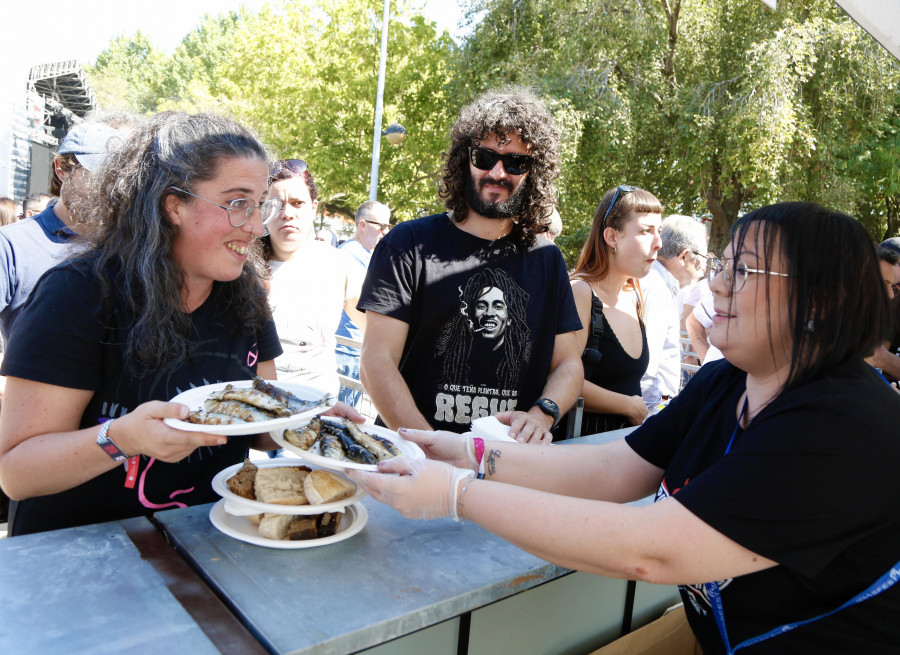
(91, 143)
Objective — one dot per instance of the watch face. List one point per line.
(548, 406)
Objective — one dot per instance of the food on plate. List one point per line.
(379, 446)
(293, 403)
(342, 442)
(281, 485)
(298, 528)
(306, 437)
(261, 402)
(242, 482)
(287, 485)
(322, 487)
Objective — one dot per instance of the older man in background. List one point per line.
(680, 263)
(373, 220)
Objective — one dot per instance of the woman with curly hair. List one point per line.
(166, 297)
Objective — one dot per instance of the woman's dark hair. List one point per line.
(513, 110)
(285, 169)
(132, 246)
(838, 307)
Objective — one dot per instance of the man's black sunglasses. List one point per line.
(513, 164)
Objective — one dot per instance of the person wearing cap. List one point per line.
(29, 248)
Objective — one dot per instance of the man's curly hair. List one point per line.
(509, 110)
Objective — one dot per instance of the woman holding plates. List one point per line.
(774, 470)
(165, 298)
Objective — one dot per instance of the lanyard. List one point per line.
(883, 583)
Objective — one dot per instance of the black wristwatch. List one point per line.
(549, 408)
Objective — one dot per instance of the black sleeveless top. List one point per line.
(616, 371)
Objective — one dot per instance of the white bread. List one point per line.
(281, 485)
(275, 526)
(326, 487)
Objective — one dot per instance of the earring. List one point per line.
(614, 250)
(810, 326)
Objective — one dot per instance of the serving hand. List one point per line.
(343, 410)
(528, 427)
(455, 449)
(421, 488)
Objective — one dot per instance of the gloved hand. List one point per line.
(421, 488)
(455, 449)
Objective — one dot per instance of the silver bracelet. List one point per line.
(459, 501)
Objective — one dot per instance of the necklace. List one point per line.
(738, 427)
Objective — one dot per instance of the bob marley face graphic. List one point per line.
(491, 314)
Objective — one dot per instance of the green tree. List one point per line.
(716, 106)
(130, 74)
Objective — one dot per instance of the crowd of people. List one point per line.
(177, 253)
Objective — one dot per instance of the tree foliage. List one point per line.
(304, 76)
(717, 106)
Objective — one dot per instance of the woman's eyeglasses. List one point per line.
(622, 189)
(513, 163)
(735, 272)
(241, 210)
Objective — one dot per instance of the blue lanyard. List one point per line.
(883, 583)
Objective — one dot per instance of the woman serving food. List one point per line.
(167, 298)
(773, 469)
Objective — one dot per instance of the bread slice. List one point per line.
(281, 485)
(275, 526)
(302, 527)
(241, 483)
(326, 487)
(328, 523)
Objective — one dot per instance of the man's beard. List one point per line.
(511, 208)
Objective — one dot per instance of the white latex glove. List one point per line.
(421, 488)
(455, 449)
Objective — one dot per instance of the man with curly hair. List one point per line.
(468, 314)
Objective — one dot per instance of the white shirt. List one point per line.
(307, 295)
(663, 325)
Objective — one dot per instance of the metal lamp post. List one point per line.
(395, 133)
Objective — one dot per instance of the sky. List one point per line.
(57, 30)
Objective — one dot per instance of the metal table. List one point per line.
(87, 590)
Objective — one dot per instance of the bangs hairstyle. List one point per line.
(838, 307)
(511, 110)
(593, 263)
(132, 238)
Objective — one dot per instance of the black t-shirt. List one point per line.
(810, 484)
(64, 337)
(483, 317)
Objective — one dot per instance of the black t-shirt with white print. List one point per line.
(483, 317)
(811, 484)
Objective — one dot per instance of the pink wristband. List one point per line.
(478, 442)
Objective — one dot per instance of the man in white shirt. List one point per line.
(680, 262)
(373, 220)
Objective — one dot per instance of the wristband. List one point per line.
(478, 442)
(108, 445)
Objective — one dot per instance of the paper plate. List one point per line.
(240, 506)
(314, 455)
(239, 527)
(194, 399)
